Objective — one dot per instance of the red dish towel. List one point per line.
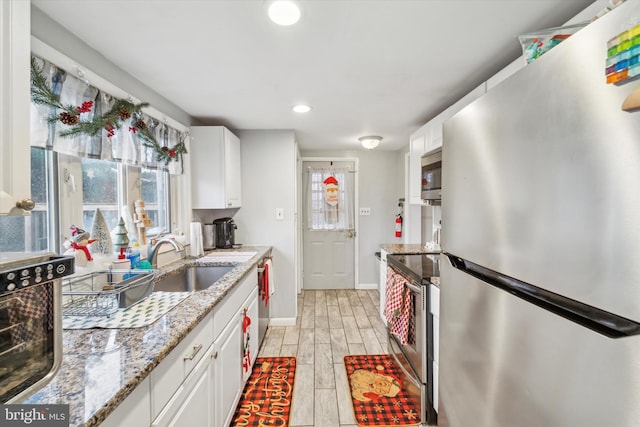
(265, 284)
(397, 308)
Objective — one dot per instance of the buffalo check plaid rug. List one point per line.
(266, 398)
(378, 396)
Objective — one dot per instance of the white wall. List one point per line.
(268, 182)
(378, 190)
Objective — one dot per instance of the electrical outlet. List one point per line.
(279, 213)
(365, 211)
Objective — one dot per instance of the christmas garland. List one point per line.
(121, 111)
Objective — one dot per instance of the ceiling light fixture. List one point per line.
(283, 12)
(301, 108)
(370, 142)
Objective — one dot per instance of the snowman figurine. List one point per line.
(78, 246)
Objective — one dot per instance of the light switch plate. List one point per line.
(365, 211)
(279, 213)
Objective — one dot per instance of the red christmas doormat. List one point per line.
(378, 396)
(266, 399)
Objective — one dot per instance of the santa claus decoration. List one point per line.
(331, 193)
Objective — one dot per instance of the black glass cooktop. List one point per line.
(422, 268)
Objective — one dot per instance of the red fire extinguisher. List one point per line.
(398, 225)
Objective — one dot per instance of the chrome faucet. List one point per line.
(153, 254)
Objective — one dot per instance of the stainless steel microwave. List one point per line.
(431, 177)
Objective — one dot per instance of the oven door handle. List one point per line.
(414, 288)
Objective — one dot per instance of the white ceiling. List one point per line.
(381, 67)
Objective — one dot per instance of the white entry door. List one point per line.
(329, 230)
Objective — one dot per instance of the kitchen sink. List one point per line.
(194, 278)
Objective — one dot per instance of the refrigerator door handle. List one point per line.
(598, 320)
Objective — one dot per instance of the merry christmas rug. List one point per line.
(266, 398)
(378, 395)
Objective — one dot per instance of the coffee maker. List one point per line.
(224, 229)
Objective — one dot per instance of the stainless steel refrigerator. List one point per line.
(540, 291)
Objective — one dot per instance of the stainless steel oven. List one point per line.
(409, 341)
(30, 321)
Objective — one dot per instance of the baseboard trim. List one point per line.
(367, 286)
(282, 321)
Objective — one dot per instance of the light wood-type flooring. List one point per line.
(330, 325)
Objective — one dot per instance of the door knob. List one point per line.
(350, 234)
(26, 204)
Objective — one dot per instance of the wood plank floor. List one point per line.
(330, 325)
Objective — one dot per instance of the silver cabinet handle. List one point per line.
(26, 204)
(215, 355)
(196, 349)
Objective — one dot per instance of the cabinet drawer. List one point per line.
(224, 311)
(167, 377)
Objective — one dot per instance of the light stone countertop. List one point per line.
(400, 248)
(101, 367)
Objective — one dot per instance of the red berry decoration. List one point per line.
(172, 153)
(133, 129)
(85, 107)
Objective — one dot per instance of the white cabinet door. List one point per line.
(233, 188)
(134, 410)
(417, 147)
(227, 372)
(15, 42)
(215, 168)
(191, 404)
(252, 312)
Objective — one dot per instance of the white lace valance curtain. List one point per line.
(124, 146)
(324, 214)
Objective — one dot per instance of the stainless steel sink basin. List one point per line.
(194, 278)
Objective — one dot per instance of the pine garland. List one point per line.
(121, 111)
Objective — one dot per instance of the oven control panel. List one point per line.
(20, 277)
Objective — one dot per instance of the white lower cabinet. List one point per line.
(227, 372)
(191, 403)
(229, 376)
(200, 381)
(134, 410)
(252, 312)
(171, 376)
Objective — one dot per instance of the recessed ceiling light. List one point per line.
(284, 12)
(301, 108)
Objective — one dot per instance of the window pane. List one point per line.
(100, 190)
(154, 189)
(30, 232)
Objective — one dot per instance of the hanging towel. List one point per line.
(264, 291)
(391, 300)
(268, 272)
(397, 306)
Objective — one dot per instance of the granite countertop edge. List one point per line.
(87, 351)
(407, 248)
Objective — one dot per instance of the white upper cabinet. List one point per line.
(15, 28)
(215, 168)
